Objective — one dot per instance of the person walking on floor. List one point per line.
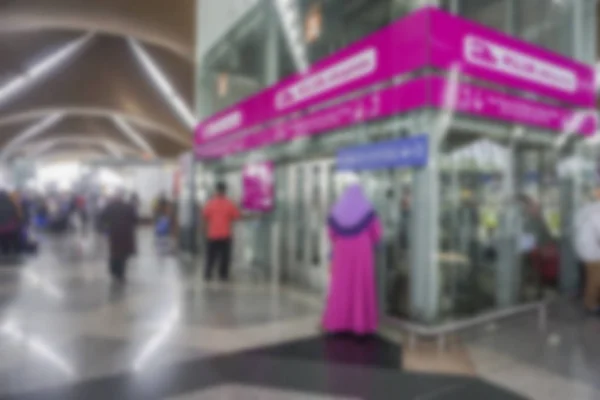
(219, 214)
(119, 219)
(354, 230)
(10, 225)
(587, 245)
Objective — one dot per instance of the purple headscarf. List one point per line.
(352, 210)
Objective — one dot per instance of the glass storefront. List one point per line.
(499, 211)
(491, 205)
(267, 44)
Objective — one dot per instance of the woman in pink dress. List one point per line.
(354, 230)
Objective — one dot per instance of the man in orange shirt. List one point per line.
(219, 213)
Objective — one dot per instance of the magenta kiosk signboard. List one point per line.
(258, 186)
(547, 91)
(495, 57)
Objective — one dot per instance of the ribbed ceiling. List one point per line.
(104, 79)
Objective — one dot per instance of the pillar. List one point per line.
(271, 47)
(424, 243)
(583, 25)
(508, 267)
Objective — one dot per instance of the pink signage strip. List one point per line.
(490, 104)
(366, 62)
(472, 100)
(495, 57)
(406, 97)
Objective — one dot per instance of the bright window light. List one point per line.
(64, 173)
(110, 178)
(135, 136)
(163, 84)
(43, 66)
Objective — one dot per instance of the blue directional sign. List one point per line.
(410, 152)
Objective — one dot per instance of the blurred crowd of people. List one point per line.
(24, 212)
(113, 218)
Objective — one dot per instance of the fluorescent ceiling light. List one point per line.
(12, 87)
(55, 59)
(163, 84)
(112, 148)
(134, 136)
(42, 67)
(29, 133)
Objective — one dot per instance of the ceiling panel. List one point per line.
(167, 23)
(105, 76)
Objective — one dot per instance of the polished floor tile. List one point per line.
(568, 349)
(67, 333)
(242, 392)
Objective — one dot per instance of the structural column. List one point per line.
(424, 245)
(271, 46)
(508, 265)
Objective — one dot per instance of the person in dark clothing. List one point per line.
(120, 222)
(219, 213)
(10, 225)
(160, 207)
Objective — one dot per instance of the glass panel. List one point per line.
(539, 195)
(300, 217)
(283, 218)
(328, 26)
(399, 198)
(316, 217)
(546, 23)
(500, 224)
(233, 67)
(473, 181)
(493, 13)
(448, 5)
(262, 46)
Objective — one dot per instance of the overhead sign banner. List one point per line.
(428, 37)
(411, 152)
(504, 60)
(366, 62)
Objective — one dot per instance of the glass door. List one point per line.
(478, 228)
(309, 200)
